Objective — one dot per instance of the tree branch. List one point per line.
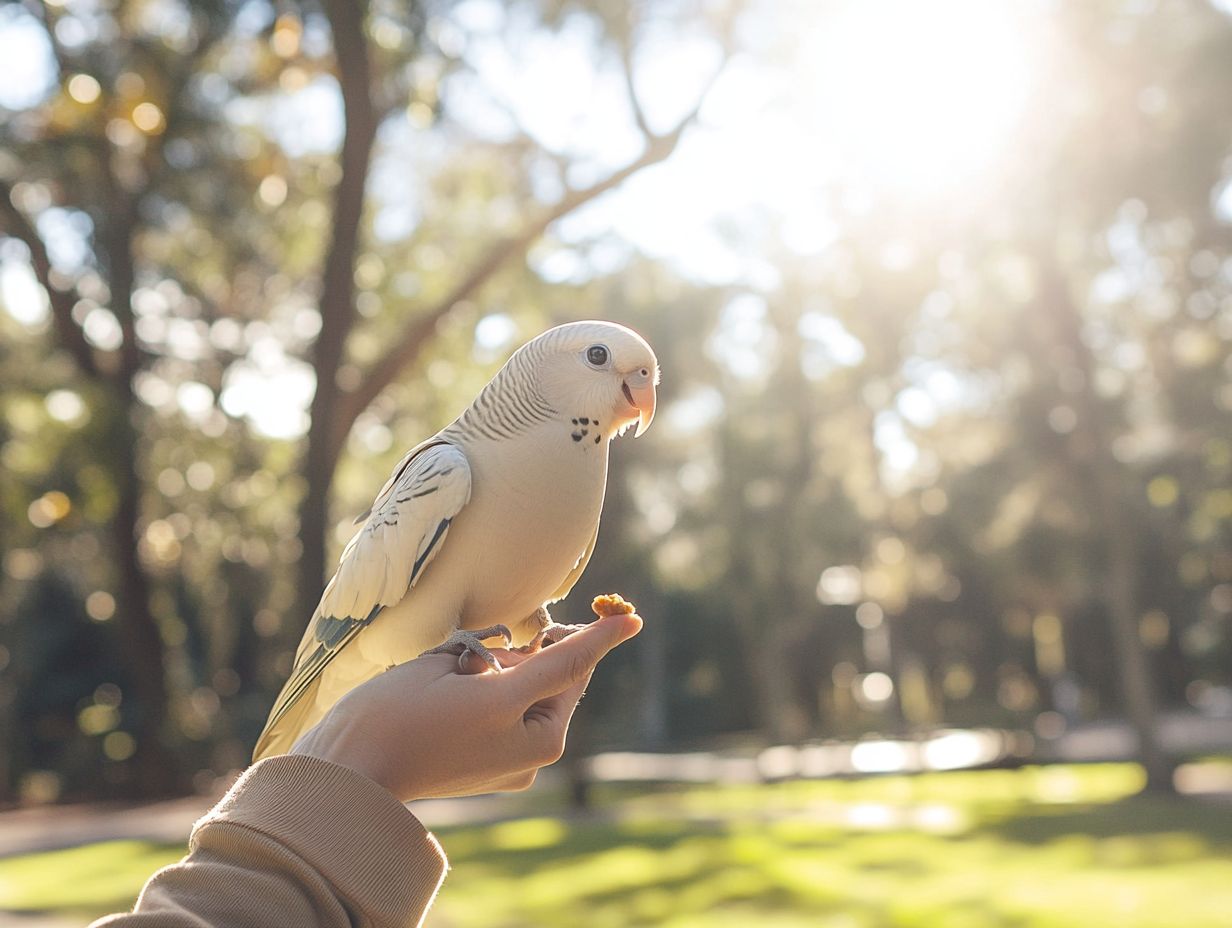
(62, 301)
(416, 335)
(635, 104)
(118, 236)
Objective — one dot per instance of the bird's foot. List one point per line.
(548, 634)
(463, 642)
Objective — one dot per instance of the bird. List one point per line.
(479, 528)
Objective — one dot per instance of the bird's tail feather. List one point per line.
(281, 733)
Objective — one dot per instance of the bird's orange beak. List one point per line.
(639, 392)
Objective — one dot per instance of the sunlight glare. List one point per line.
(918, 95)
(21, 295)
(27, 64)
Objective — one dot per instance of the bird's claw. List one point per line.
(549, 634)
(464, 641)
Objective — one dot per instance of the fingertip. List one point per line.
(623, 626)
(469, 663)
(631, 626)
(572, 660)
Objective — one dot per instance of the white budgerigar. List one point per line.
(483, 524)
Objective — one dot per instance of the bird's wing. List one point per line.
(563, 590)
(403, 532)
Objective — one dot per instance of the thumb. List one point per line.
(572, 660)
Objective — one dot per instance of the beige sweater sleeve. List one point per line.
(297, 842)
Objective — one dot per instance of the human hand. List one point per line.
(423, 729)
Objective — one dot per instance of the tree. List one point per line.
(335, 409)
(109, 181)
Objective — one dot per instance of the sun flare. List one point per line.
(919, 95)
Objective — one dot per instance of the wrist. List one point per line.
(339, 745)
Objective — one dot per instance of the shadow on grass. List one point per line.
(1137, 816)
(1007, 854)
(560, 844)
(1011, 859)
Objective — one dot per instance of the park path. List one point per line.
(26, 831)
(49, 828)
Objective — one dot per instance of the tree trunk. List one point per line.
(780, 717)
(1120, 597)
(157, 773)
(1100, 478)
(327, 432)
(313, 532)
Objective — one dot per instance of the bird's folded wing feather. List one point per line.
(403, 532)
(563, 590)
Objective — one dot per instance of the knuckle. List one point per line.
(553, 750)
(580, 665)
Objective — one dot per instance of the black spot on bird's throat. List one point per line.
(597, 437)
(581, 429)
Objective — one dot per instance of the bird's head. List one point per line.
(598, 369)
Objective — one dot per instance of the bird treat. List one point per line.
(612, 604)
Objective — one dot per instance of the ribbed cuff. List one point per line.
(383, 863)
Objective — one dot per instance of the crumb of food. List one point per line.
(612, 604)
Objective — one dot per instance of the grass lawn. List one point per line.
(1032, 848)
(81, 882)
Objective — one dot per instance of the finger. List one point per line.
(498, 783)
(557, 710)
(570, 662)
(470, 663)
(445, 663)
(546, 724)
(515, 782)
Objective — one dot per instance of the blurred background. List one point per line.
(941, 477)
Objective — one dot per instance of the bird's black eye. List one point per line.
(597, 355)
